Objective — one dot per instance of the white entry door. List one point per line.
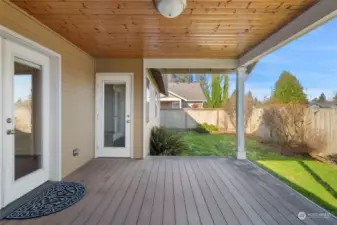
(25, 120)
(113, 108)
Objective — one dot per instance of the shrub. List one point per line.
(206, 128)
(165, 142)
(290, 127)
(230, 108)
(333, 158)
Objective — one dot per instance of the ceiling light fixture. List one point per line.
(170, 8)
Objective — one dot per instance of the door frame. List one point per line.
(55, 109)
(98, 108)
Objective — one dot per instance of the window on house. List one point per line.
(175, 105)
(147, 100)
(156, 104)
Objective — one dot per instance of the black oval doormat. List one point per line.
(51, 200)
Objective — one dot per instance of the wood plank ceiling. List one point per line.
(133, 28)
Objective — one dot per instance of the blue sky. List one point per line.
(312, 59)
(23, 86)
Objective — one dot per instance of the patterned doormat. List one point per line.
(56, 198)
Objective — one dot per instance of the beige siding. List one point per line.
(134, 66)
(77, 85)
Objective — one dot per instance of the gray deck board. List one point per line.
(146, 208)
(229, 198)
(129, 182)
(169, 215)
(221, 201)
(134, 211)
(213, 208)
(181, 191)
(259, 208)
(191, 209)
(179, 201)
(158, 202)
(246, 205)
(204, 213)
(280, 213)
(95, 200)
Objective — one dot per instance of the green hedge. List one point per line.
(206, 128)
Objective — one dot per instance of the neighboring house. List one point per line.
(323, 105)
(183, 95)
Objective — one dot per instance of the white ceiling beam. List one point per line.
(315, 16)
(175, 63)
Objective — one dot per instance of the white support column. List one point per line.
(240, 100)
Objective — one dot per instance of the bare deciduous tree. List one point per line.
(290, 127)
(230, 109)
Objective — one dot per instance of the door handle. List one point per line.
(128, 121)
(10, 132)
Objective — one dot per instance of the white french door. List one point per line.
(113, 109)
(25, 132)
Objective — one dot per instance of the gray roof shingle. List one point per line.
(189, 91)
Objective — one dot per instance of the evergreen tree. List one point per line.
(181, 78)
(225, 89)
(249, 98)
(335, 97)
(217, 92)
(204, 81)
(256, 101)
(322, 98)
(288, 90)
(250, 95)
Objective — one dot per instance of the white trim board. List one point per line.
(180, 97)
(145, 71)
(315, 16)
(55, 108)
(196, 101)
(170, 99)
(1, 127)
(190, 63)
(172, 93)
(116, 76)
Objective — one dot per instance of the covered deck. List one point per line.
(182, 190)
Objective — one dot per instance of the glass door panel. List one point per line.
(27, 118)
(114, 115)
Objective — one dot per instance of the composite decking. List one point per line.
(182, 191)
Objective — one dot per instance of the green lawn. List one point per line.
(316, 180)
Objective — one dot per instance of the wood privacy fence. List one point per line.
(183, 119)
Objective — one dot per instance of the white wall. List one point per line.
(154, 117)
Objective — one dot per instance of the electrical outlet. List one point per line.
(76, 151)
